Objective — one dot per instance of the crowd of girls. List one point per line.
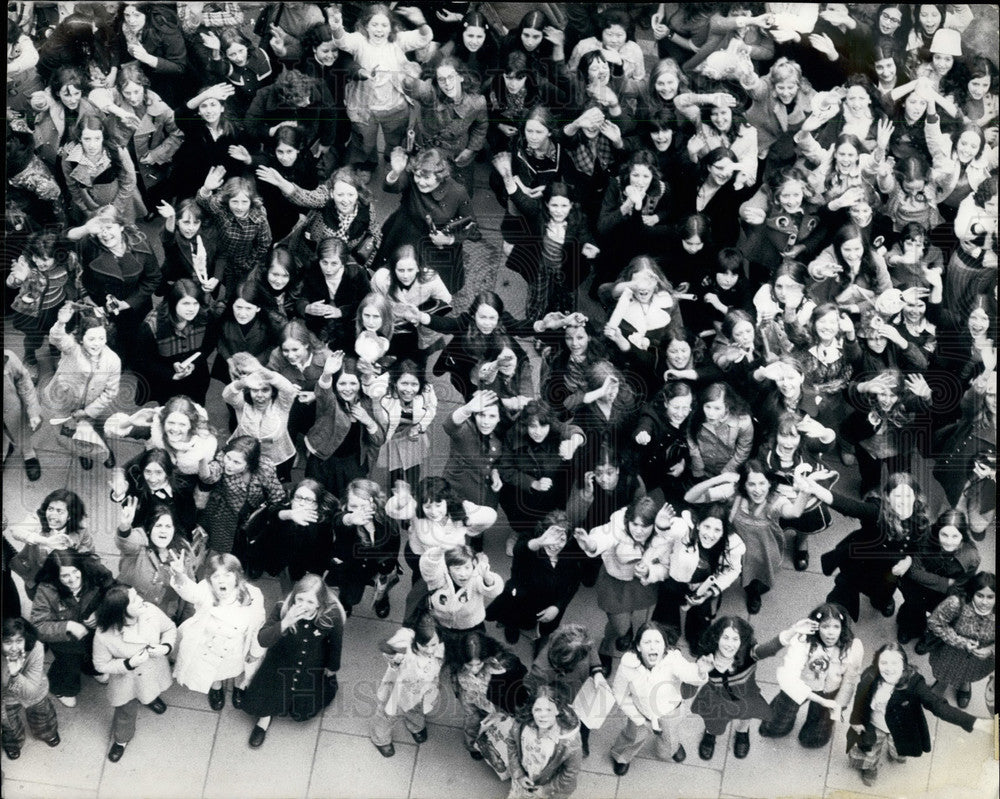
(759, 254)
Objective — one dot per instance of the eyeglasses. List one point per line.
(308, 500)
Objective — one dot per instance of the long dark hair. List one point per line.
(166, 317)
(326, 503)
(978, 582)
(715, 556)
(535, 20)
(76, 513)
(867, 268)
(176, 544)
(488, 53)
(831, 610)
(92, 122)
(670, 637)
(92, 571)
(474, 340)
(113, 610)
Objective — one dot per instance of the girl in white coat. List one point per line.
(219, 642)
(647, 687)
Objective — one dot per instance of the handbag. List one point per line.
(491, 742)
(251, 529)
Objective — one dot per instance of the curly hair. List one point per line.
(716, 554)
(709, 643)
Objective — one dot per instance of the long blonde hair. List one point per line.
(329, 606)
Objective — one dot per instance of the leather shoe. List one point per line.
(741, 744)
(903, 637)
(55, 740)
(962, 698)
(420, 736)
(680, 755)
(237, 697)
(621, 769)
(707, 746)
(257, 735)
(801, 562)
(32, 468)
(116, 752)
(109, 462)
(381, 607)
(216, 698)
(753, 604)
(86, 463)
(475, 755)
(923, 646)
(888, 609)
(13, 752)
(158, 706)
(386, 751)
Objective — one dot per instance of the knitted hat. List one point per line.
(947, 42)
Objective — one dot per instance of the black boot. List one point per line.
(707, 746)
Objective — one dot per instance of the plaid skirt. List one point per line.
(866, 761)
